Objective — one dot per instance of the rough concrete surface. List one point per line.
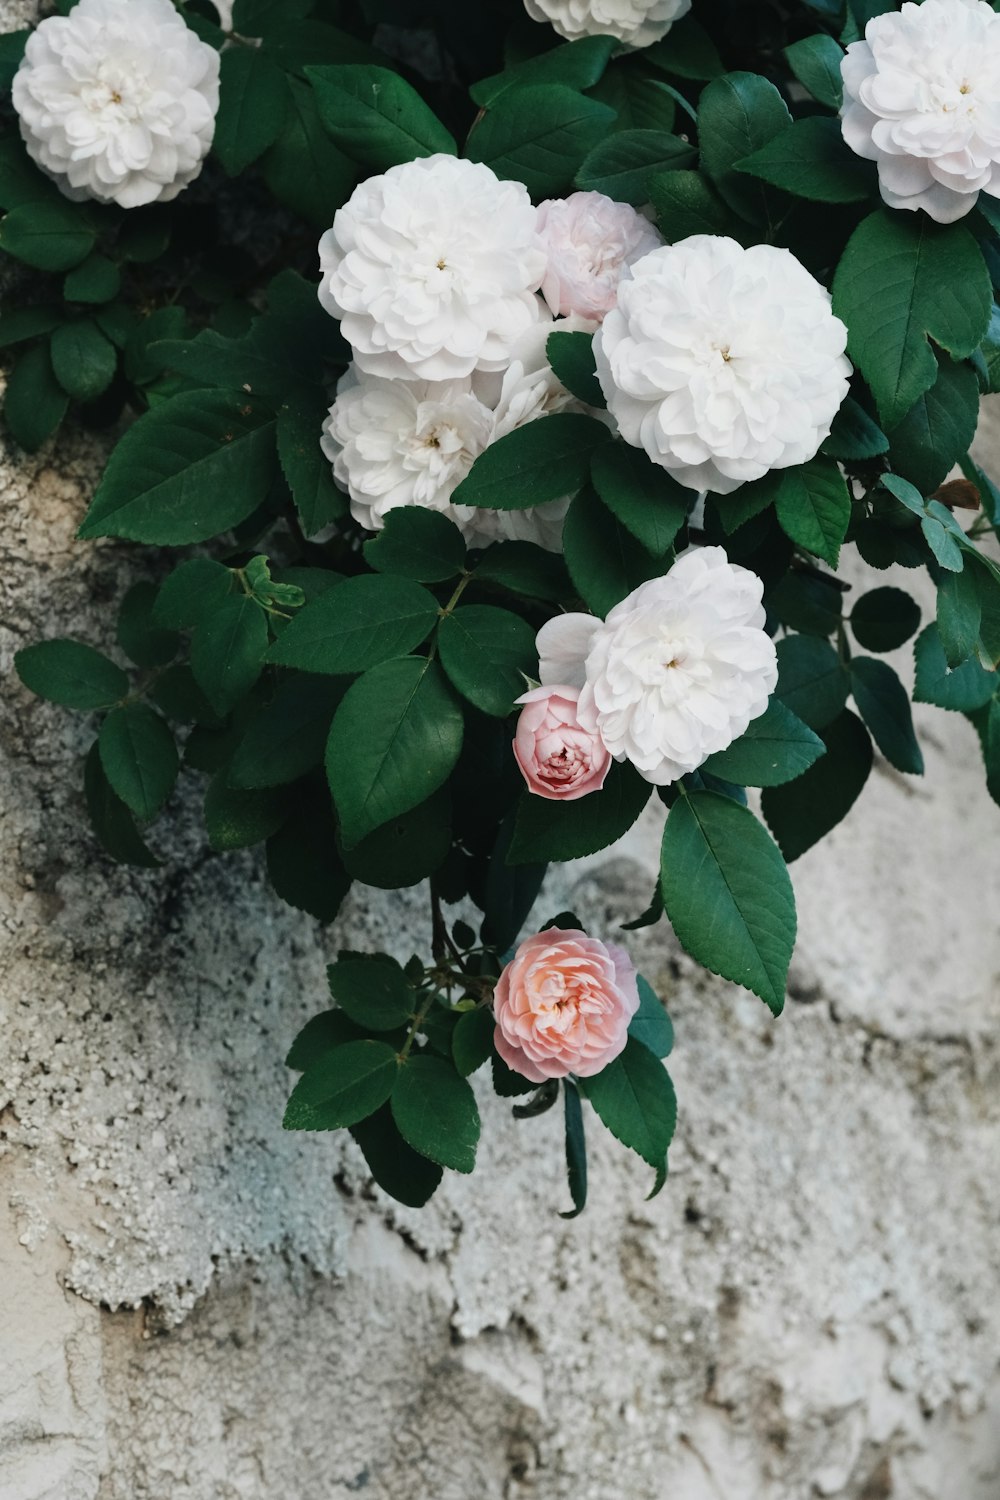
(194, 1306)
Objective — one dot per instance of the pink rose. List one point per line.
(591, 241)
(559, 757)
(563, 1004)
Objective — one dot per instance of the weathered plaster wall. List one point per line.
(197, 1307)
(194, 1306)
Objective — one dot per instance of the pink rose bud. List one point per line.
(559, 757)
(591, 241)
(563, 1005)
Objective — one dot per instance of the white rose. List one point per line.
(398, 442)
(530, 389)
(677, 670)
(590, 241)
(722, 363)
(922, 99)
(117, 100)
(638, 23)
(432, 269)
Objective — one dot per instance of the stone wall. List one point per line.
(195, 1306)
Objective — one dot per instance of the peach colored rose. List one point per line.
(558, 757)
(563, 1004)
(591, 242)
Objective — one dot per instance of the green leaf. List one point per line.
(884, 619)
(576, 1150)
(20, 180)
(320, 1034)
(83, 360)
(176, 694)
(563, 831)
(727, 894)
(816, 61)
(686, 204)
(737, 115)
(253, 103)
(227, 651)
(303, 864)
(812, 680)
(578, 65)
(417, 543)
(12, 45)
(72, 674)
(966, 688)
(112, 822)
(376, 117)
(395, 739)
(885, 707)
(959, 615)
(96, 280)
(511, 891)
(373, 991)
(623, 163)
(435, 1111)
(288, 736)
(526, 569)
(304, 169)
(687, 51)
(604, 559)
(539, 135)
(811, 160)
(295, 44)
(887, 289)
(804, 811)
(191, 593)
(139, 758)
(305, 465)
(363, 621)
(938, 429)
(342, 1087)
(635, 1099)
(544, 460)
(571, 356)
(238, 819)
(506, 1083)
(651, 1025)
(34, 401)
(487, 653)
(472, 1040)
(776, 748)
(640, 100)
(644, 497)
(50, 234)
(142, 640)
(806, 600)
(854, 435)
(990, 349)
(407, 849)
(187, 470)
(813, 505)
(399, 1170)
(20, 323)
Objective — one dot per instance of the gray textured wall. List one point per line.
(194, 1306)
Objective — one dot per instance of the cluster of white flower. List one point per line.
(117, 101)
(675, 673)
(922, 99)
(435, 270)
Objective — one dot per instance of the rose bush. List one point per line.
(511, 387)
